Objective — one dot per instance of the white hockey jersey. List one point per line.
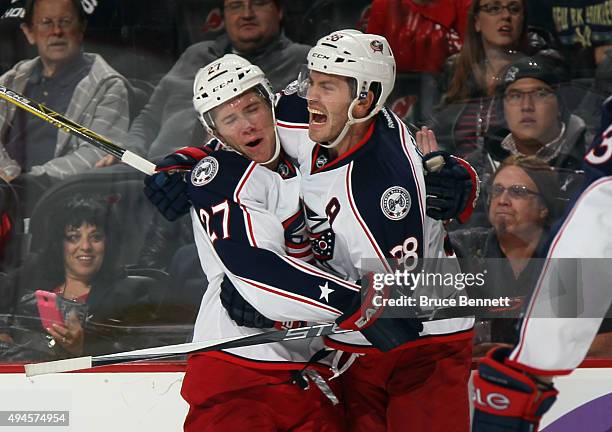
(366, 207)
(551, 343)
(248, 223)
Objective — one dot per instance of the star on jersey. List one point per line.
(325, 291)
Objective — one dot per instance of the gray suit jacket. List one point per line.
(99, 102)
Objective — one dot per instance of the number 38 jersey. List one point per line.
(366, 207)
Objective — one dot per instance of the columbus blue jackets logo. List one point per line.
(204, 171)
(377, 46)
(321, 161)
(395, 203)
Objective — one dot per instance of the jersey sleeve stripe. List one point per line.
(302, 255)
(292, 296)
(349, 193)
(315, 272)
(403, 132)
(521, 345)
(247, 216)
(291, 219)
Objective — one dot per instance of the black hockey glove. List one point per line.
(168, 192)
(167, 188)
(507, 399)
(452, 188)
(366, 315)
(240, 310)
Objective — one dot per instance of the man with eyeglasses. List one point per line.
(539, 123)
(513, 386)
(66, 79)
(522, 206)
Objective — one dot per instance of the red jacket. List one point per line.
(422, 37)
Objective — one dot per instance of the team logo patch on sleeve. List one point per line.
(395, 203)
(204, 171)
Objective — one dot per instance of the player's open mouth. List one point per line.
(316, 116)
(254, 143)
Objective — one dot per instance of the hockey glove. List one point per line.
(168, 192)
(240, 310)
(184, 159)
(507, 399)
(167, 188)
(452, 189)
(384, 333)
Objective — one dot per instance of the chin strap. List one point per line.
(277, 145)
(351, 121)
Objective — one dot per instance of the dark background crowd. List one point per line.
(514, 87)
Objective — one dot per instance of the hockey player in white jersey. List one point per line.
(248, 274)
(513, 387)
(241, 199)
(364, 196)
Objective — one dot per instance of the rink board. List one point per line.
(147, 397)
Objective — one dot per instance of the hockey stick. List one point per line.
(81, 132)
(326, 329)
(69, 365)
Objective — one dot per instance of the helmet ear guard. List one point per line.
(224, 79)
(365, 57)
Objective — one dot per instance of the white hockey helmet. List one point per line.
(365, 57)
(224, 79)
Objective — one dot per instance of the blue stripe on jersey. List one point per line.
(271, 273)
(292, 109)
(380, 176)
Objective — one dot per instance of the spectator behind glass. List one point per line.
(253, 30)
(584, 30)
(533, 107)
(80, 85)
(496, 35)
(522, 207)
(79, 264)
(422, 33)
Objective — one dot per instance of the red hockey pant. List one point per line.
(421, 389)
(223, 397)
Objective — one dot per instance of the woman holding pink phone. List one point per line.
(74, 276)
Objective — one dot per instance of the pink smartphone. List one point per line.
(47, 308)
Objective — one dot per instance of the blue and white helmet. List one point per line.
(224, 79)
(365, 57)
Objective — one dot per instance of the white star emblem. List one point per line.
(325, 291)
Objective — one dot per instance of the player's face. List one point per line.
(499, 27)
(56, 31)
(521, 216)
(84, 249)
(245, 123)
(531, 109)
(329, 97)
(251, 24)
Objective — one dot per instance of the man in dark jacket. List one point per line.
(253, 30)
